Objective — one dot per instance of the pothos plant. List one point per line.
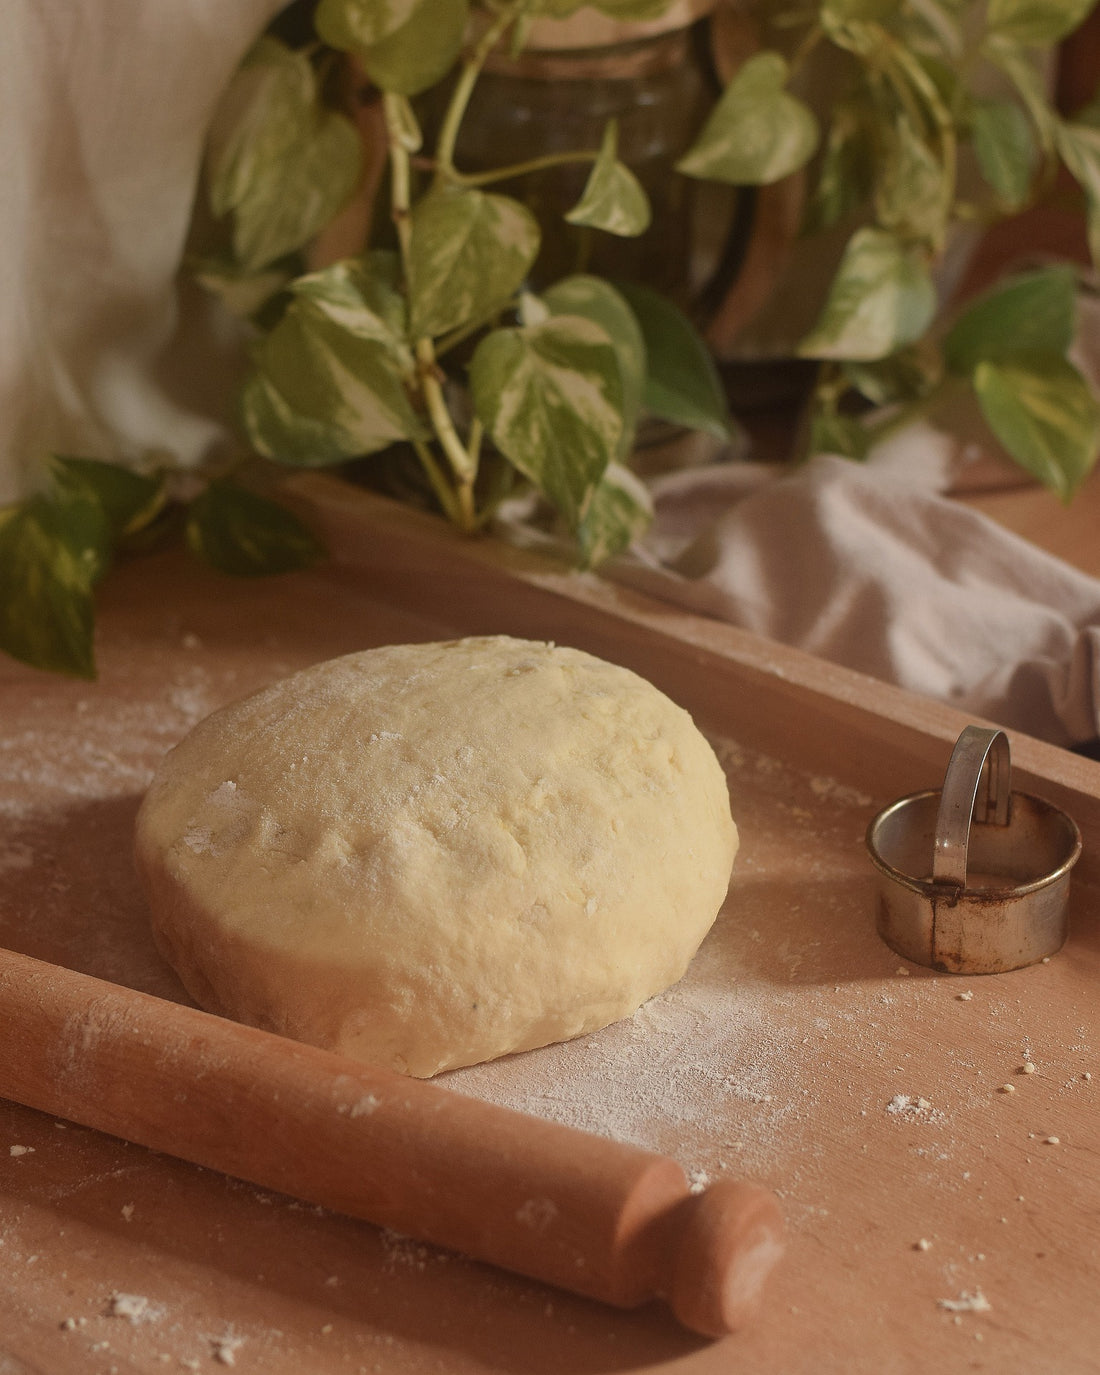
(431, 335)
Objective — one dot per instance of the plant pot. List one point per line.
(656, 79)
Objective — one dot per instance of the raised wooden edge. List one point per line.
(827, 719)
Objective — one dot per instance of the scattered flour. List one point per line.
(224, 1348)
(912, 1107)
(967, 1303)
(136, 1308)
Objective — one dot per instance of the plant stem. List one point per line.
(913, 77)
(400, 192)
(463, 464)
(440, 486)
(456, 498)
(460, 98)
(519, 169)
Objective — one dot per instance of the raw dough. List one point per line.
(425, 856)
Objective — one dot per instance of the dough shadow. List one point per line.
(69, 895)
(786, 932)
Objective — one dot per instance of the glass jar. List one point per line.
(659, 86)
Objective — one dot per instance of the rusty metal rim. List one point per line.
(927, 887)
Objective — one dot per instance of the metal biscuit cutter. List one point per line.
(974, 878)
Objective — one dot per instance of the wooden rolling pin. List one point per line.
(590, 1215)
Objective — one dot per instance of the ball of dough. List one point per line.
(425, 856)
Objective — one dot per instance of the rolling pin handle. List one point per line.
(725, 1242)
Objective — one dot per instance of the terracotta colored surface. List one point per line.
(571, 1208)
(799, 1052)
(1069, 531)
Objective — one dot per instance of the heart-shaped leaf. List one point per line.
(1079, 146)
(881, 298)
(278, 161)
(128, 500)
(913, 190)
(1005, 148)
(682, 383)
(358, 24)
(1045, 415)
(597, 300)
(1035, 23)
(331, 377)
(613, 199)
(619, 510)
(421, 52)
(470, 253)
(550, 398)
(631, 9)
(1032, 313)
(239, 532)
(758, 132)
(52, 551)
(363, 297)
(845, 179)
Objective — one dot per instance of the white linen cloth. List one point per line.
(872, 566)
(104, 106)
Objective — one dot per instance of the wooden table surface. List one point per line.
(937, 1220)
(1072, 531)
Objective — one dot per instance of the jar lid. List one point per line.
(588, 28)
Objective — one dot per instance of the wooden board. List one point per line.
(798, 1052)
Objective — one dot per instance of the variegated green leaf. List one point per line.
(845, 179)
(836, 12)
(257, 119)
(1045, 415)
(278, 161)
(597, 300)
(913, 190)
(127, 500)
(359, 24)
(1005, 148)
(758, 132)
(422, 51)
(613, 199)
(619, 510)
(910, 374)
(881, 298)
(470, 253)
(632, 9)
(51, 552)
(1079, 148)
(617, 9)
(239, 532)
(330, 379)
(867, 40)
(1035, 23)
(550, 399)
(1025, 72)
(831, 433)
(363, 297)
(682, 383)
(554, 9)
(276, 430)
(242, 291)
(1032, 313)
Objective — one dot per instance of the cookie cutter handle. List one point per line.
(976, 787)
